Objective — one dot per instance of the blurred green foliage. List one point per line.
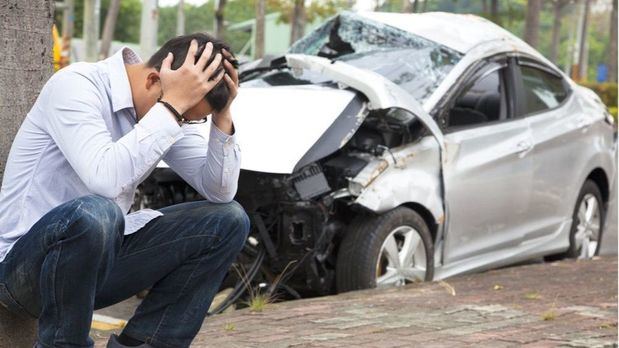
(511, 16)
(607, 92)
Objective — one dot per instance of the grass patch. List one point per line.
(532, 295)
(608, 325)
(229, 327)
(260, 296)
(549, 315)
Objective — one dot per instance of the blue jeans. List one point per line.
(76, 259)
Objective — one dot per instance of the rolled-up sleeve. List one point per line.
(210, 166)
(107, 167)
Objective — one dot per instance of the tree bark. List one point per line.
(108, 29)
(180, 18)
(612, 57)
(583, 57)
(556, 30)
(532, 22)
(297, 24)
(259, 38)
(406, 6)
(26, 46)
(415, 6)
(494, 12)
(219, 19)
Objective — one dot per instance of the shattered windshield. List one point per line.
(416, 64)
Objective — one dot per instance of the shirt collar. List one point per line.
(119, 80)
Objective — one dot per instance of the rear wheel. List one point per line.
(392, 249)
(587, 223)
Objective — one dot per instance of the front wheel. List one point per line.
(391, 249)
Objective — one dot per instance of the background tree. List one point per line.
(220, 6)
(612, 57)
(556, 28)
(26, 46)
(494, 12)
(180, 18)
(108, 28)
(297, 23)
(531, 27)
(259, 43)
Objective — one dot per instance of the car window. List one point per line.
(482, 102)
(542, 90)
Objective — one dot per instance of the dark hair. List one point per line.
(218, 96)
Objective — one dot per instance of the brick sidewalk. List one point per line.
(562, 304)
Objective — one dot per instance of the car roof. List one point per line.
(460, 32)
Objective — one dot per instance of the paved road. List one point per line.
(567, 303)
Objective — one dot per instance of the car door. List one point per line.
(561, 145)
(487, 169)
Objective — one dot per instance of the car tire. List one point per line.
(358, 264)
(589, 191)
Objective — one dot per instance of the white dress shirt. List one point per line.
(81, 137)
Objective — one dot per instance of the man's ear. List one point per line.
(152, 80)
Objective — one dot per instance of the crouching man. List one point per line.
(96, 131)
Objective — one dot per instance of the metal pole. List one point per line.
(91, 29)
(148, 28)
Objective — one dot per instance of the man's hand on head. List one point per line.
(223, 118)
(186, 86)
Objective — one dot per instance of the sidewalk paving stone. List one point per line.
(561, 304)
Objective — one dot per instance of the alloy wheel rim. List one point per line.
(402, 258)
(587, 234)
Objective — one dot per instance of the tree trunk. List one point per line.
(90, 30)
(180, 18)
(108, 29)
(494, 12)
(415, 6)
(532, 22)
(259, 38)
(484, 7)
(406, 6)
(556, 30)
(26, 46)
(424, 5)
(219, 18)
(297, 23)
(612, 58)
(583, 57)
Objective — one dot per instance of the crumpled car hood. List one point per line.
(276, 126)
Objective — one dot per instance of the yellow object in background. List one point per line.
(56, 48)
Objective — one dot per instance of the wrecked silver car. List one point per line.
(390, 148)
